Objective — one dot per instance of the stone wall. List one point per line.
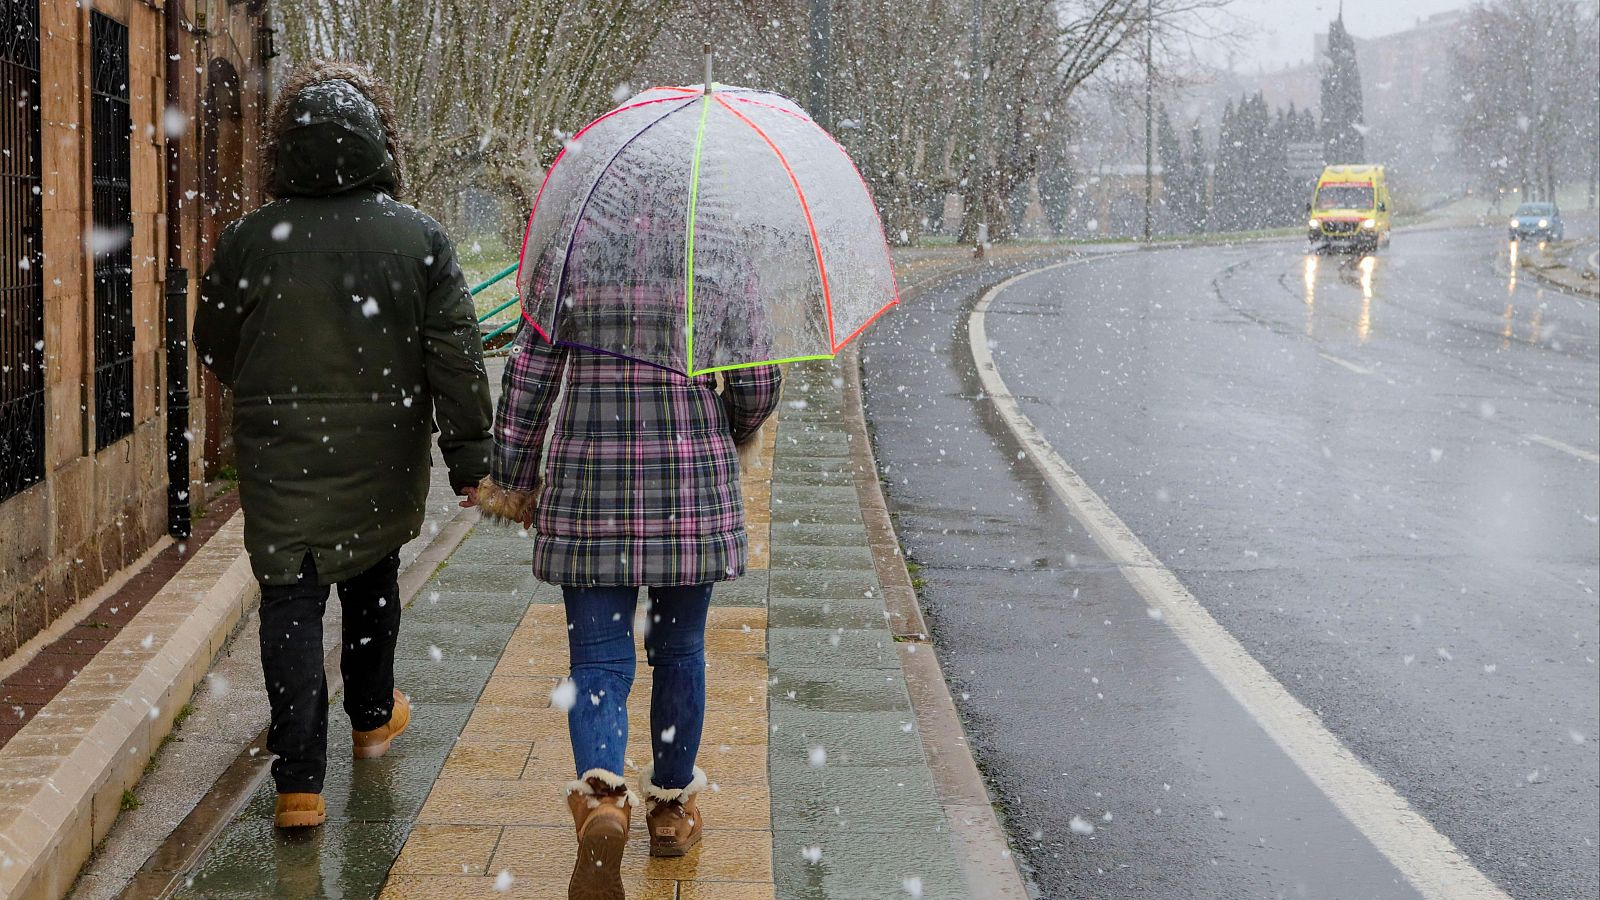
(97, 511)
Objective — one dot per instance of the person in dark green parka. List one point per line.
(341, 322)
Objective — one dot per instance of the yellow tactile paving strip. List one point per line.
(757, 488)
(498, 806)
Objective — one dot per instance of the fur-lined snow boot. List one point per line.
(504, 506)
(602, 807)
(672, 815)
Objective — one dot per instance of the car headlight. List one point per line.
(1314, 223)
(1515, 223)
(1544, 223)
(1369, 223)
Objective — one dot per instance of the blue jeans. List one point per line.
(600, 640)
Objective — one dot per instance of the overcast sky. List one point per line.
(1284, 28)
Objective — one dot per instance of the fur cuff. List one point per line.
(751, 459)
(505, 506)
(653, 794)
(610, 780)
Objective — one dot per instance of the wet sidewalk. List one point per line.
(820, 783)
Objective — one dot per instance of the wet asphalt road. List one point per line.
(1377, 475)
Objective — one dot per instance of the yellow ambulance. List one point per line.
(1350, 210)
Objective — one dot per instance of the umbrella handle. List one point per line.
(708, 68)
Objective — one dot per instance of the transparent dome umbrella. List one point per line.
(703, 231)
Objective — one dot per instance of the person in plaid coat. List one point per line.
(637, 487)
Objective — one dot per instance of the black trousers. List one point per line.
(291, 660)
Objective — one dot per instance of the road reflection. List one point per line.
(1364, 324)
(1358, 272)
(1311, 292)
(1508, 329)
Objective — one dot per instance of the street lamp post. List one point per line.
(1149, 116)
(821, 61)
(980, 156)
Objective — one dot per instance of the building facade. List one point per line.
(127, 140)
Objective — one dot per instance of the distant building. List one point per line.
(127, 140)
(1405, 79)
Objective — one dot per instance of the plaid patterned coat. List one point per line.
(640, 482)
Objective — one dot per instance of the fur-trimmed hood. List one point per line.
(331, 129)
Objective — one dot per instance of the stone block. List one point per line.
(749, 589)
(829, 477)
(24, 546)
(448, 850)
(849, 867)
(800, 462)
(798, 513)
(829, 690)
(850, 738)
(251, 860)
(860, 647)
(824, 584)
(805, 612)
(854, 798)
(792, 536)
(840, 558)
(787, 495)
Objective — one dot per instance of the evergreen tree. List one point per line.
(1175, 175)
(1342, 121)
(1224, 191)
(1253, 186)
(1277, 158)
(1252, 183)
(1198, 204)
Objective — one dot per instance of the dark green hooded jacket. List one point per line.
(342, 323)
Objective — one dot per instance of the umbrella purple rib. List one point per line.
(522, 255)
(566, 256)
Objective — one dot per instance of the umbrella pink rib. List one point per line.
(522, 255)
(885, 238)
(816, 245)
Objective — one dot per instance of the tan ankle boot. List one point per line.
(601, 806)
(672, 815)
(299, 810)
(375, 743)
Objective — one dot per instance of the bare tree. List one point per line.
(1525, 80)
(1037, 54)
(488, 89)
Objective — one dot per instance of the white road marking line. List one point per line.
(1428, 860)
(1564, 447)
(1359, 370)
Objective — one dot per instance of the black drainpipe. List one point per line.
(177, 298)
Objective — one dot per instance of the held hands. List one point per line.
(499, 504)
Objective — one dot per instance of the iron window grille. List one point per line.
(111, 238)
(21, 251)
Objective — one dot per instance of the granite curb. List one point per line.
(1553, 270)
(63, 776)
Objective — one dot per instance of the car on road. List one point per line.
(1350, 209)
(1537, 221)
